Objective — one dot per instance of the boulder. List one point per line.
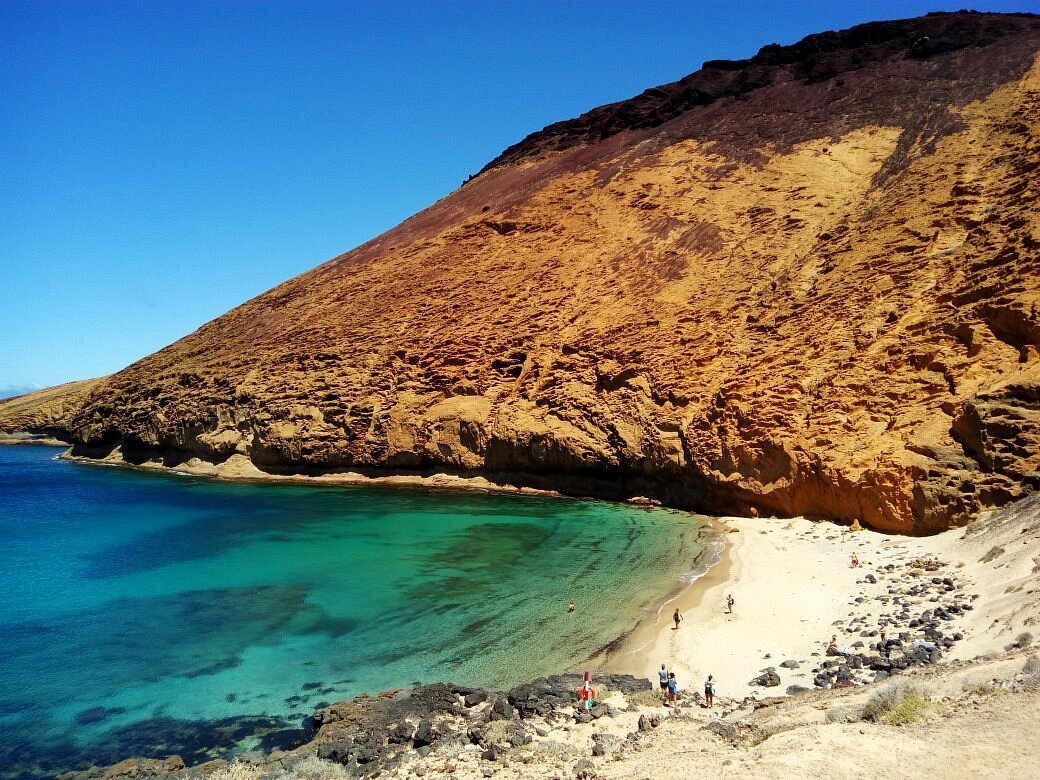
(338, 750)
(546, 694)
(424, 734)
(584, 770)
(401, 733)
(501, 709)
(722, 729)
(768, 679)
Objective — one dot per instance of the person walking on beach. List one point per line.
(854, 563)
(709, 692)
(673, 688)
(663, 677)
(729, 604)
(677, 617)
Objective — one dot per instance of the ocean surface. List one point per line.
(146, 614)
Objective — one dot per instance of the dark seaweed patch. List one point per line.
(23, 757)
(128, 641)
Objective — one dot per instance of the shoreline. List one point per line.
(238, 468)
(635, 652)
(627, 653)
(709, 641)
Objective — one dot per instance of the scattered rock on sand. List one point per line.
(768, 679)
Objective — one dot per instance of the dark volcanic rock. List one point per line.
(542, 696)
(501, 709)
(424, 734)
(768, 679)
(338, 750)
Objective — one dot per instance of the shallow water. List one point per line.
(158, 613)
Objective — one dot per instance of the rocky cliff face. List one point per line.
(43, 415)
(804, 282)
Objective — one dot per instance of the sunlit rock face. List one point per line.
(804, 282)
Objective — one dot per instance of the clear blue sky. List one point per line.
(161, 162)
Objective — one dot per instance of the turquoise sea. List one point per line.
(155, 614)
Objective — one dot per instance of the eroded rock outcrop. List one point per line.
(804, 282)
(43, 416)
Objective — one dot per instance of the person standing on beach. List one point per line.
(729, 604)
(677, 617)
(709, 691)
(673, 688)
(663, 677)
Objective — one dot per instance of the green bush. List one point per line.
(897, 705)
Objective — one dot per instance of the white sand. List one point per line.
(792, 580)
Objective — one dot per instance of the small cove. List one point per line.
(181, 615)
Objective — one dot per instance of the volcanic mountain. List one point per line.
(804, 283)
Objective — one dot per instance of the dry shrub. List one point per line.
(645, 698)
(985, 689)
(497, 731)
(898, 705)
(314, 768)
(236, 770)
(993, 554)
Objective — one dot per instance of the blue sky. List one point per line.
(161, 162)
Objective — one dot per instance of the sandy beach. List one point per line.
(794, 589)
(790, 581)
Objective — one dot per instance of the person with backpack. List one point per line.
(663, 677)
(709, 691)
(673, 688)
